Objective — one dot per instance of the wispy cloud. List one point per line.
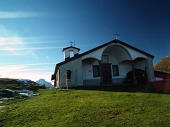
(6, 47)
(11, 44)
(27, 64)
(31, 52)
(26, 71)
(20, 14)
(31, 48)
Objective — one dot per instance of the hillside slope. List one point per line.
(163, 65)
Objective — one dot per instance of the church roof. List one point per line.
(94, 49)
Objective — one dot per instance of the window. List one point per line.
(71, 53)
(105, 59)
(96, 72)
(115, 70)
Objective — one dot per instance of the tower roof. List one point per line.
(71, 47)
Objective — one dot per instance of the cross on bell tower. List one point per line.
(71, 43)
(116, 35)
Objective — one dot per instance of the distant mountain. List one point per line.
(43, 82)
(163, 65)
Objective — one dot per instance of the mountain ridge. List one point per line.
(44, 82)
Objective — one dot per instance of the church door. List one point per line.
(106, 74)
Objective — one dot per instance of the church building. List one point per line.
(105, 65)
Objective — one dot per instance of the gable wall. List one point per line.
(98, 53)
(135, 54)
(76, 76)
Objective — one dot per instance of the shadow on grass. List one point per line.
(145, 88)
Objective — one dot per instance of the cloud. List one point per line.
(9, 37)
(11, 44)
(31, 48)
(26, 71)
(31, 52)
(20, 14)
(29, 64)
(6, 47)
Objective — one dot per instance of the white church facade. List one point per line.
(107, 64)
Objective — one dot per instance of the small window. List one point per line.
(105, 59)
(71, 53)
(96, 72)
(115, 70)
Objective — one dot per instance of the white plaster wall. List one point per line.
(112, 59)
(88, 70)
(134, 54)
(76, 76)
(57, 79)
(96, 54)
(150, 70)
(124, 68)
(118, 52)
(140, 64)
(88, 79)
(67, 52)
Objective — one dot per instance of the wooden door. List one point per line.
(106, 74)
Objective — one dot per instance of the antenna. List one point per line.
(74, 43)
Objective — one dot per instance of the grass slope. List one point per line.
(99, 107)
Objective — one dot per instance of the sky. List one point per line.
(34, 32)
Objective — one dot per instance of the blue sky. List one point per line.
(34, 32)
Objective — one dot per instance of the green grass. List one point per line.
(93, 107)
(7, 83)
(6, 79)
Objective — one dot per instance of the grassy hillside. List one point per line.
(99, 107)
(8, 83)
(163, 65)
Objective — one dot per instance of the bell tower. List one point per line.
(68, 50)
